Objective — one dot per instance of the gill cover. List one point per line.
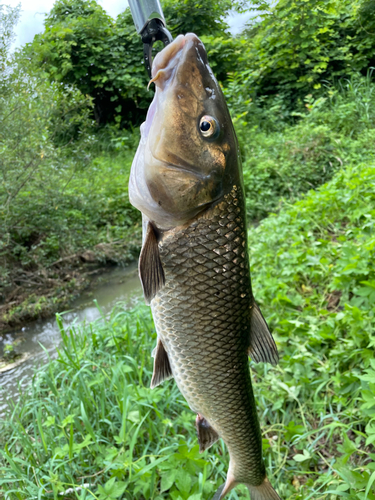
(188, 154)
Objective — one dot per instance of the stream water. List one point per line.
(117, 285)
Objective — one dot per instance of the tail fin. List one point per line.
(263, 492)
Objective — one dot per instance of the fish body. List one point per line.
(194, 267)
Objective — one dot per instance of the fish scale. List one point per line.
(202, 316)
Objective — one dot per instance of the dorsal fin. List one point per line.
(162, 366)
(151, 270)
(262, 345)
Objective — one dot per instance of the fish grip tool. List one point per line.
(150, 24)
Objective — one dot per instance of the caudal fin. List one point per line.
(263, 492)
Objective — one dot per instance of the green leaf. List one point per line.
(168, 479)
(183, 481)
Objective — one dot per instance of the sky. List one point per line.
(33, 12)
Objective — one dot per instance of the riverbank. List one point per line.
(46, 290)
(35, 343)
(54, 244)
(90, 427)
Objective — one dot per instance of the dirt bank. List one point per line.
(39, 291)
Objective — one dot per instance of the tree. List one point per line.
(83, 46)
(199, 17)
(299, 45)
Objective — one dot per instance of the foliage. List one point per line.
(192, 16)
(92, 428)
(89, 427)
(107, 427)
(31, 164)
(225, 54)
(80, 46)
(300, 44)
(56, 199)
(83, 46)
(282, 161)
(314, 274)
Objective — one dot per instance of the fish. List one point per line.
(186, 180)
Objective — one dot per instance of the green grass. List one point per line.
(314, 274)
(91, 423)
(283, 159)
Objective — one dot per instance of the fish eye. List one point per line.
(208, 126)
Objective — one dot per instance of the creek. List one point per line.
(38, 340)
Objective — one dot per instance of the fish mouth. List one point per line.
(168, 60)
(163, 58)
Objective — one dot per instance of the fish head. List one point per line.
(188, 154)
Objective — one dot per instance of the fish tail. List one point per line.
(263, 492)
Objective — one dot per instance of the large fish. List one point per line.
(186, 179)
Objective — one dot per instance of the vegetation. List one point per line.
(83, 46)
(299, 45)
(59, 196)
(281, 160)
(66, 98)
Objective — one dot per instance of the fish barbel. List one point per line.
(186, 179)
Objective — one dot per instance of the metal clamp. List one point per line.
(150, 24)
(154, 30)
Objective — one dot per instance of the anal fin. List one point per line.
(262, 345)
(151, 270)
(162, 366)
(207, 435)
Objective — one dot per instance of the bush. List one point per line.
(282, 161)
(61, 194)
(299, 45)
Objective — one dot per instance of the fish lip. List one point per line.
(163, 58)
(168, 60)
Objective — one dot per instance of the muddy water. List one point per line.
(117, 285)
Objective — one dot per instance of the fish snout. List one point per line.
(170, 58)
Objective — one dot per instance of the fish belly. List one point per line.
(202, 316)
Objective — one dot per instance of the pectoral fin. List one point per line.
(262, 346)
(151, 270)
(207, 435)
(162, 366)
